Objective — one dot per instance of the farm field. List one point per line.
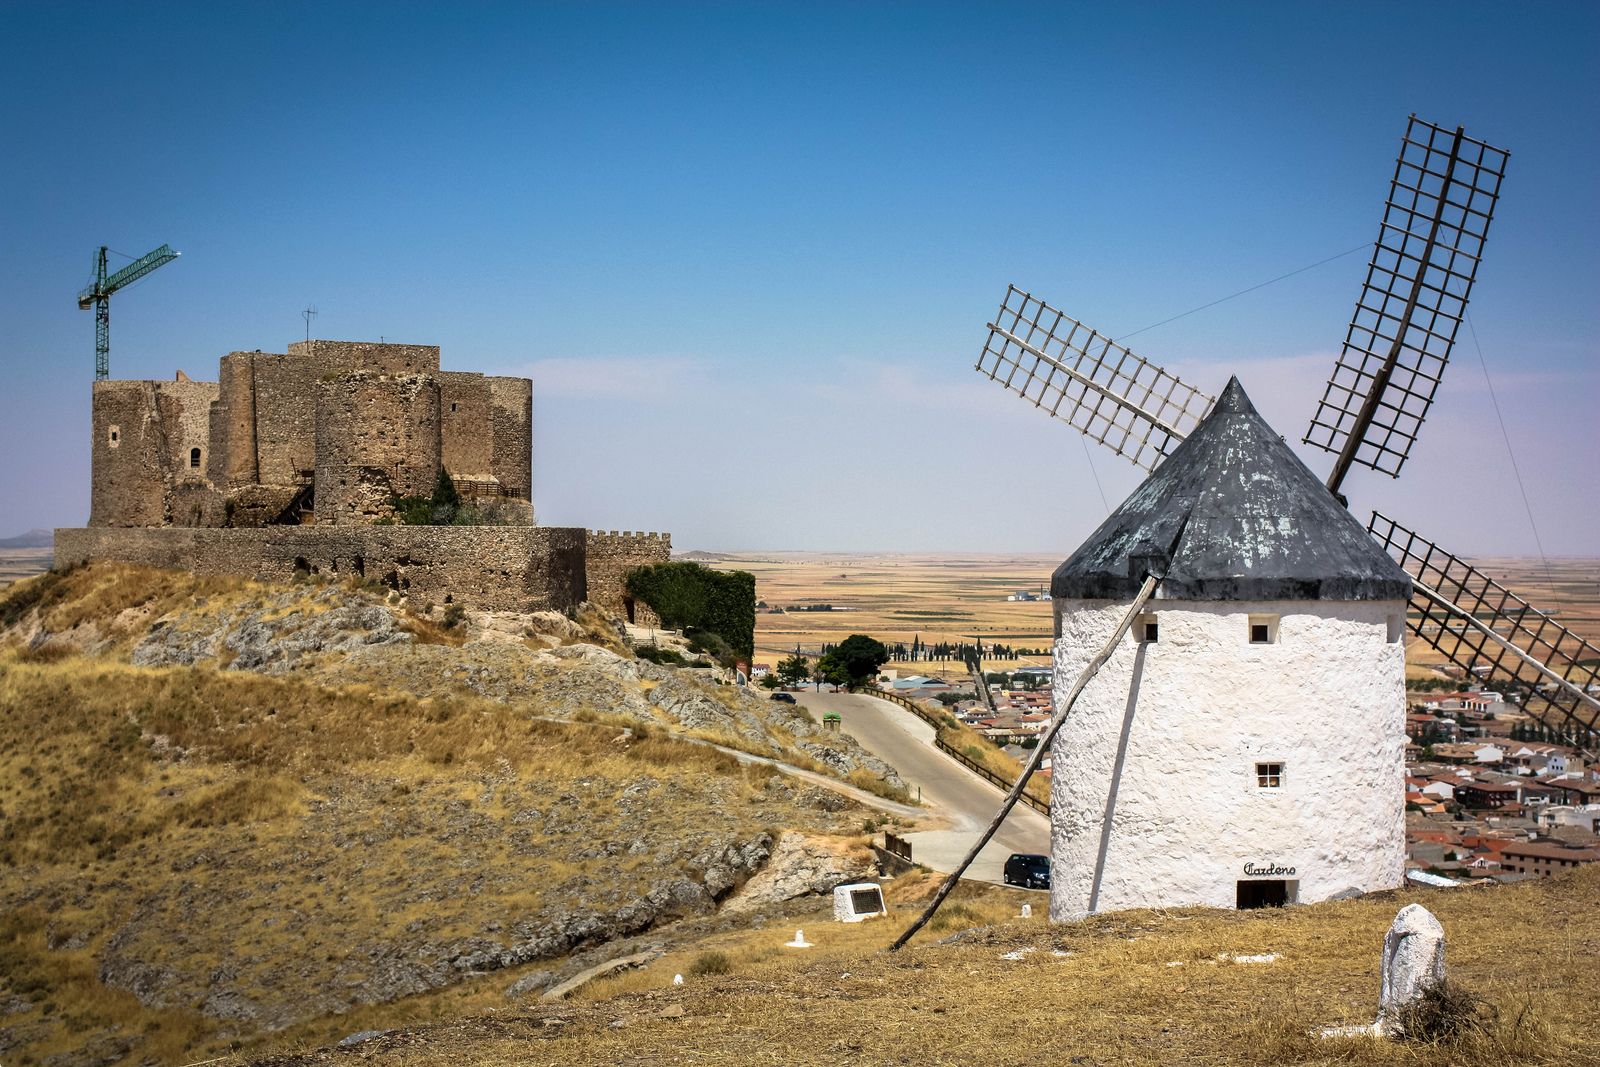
(962, 596)
(958, 597)
(17, 563)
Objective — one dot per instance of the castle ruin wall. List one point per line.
(378, 438)
(466, 414)
(144, 434)
(512, 464)
(373, 357)
(493, 568)
(610, 556)
(286, 419)
(233, 423)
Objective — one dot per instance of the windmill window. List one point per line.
(1269, 776)
(452, 409)
(194, 457)
(1146, 630)
(1263, 629)
(115, 436)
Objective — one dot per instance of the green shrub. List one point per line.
(702, 602)
(454, 614)
(657, 654)
(709, 963)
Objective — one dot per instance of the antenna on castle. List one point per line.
(308, 314)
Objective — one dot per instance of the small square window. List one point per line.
(1150, 631)
(1145, 629)
(1263, 629)
(1269, 776)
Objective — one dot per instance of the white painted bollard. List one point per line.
(799, 941)
(1027, 911)
(1413, 960)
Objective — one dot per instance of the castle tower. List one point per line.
(1244, 744)
(378, 438)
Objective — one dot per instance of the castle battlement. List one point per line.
(330, 432)
(295, 461)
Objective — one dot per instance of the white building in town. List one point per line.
(1244, 744)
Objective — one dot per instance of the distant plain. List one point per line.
(961, 597)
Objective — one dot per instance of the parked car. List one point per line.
(786, 698)
(1028, 871)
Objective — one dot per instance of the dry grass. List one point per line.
(1138, 988)
(205, 817)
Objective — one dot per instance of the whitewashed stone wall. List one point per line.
(1189, 716)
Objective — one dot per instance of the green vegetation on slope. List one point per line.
(701, 601)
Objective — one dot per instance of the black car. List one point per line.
(787, 698)
(1028, 871)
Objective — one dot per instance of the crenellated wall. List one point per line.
(611, 555)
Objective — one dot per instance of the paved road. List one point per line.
(956, 798)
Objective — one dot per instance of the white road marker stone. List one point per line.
(1413, 960)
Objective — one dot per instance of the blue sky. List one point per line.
(747, 251)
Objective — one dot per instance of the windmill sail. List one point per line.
(1430, 242)
(1485, 628)
(1126, 403)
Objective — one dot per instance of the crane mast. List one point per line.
(98, 296)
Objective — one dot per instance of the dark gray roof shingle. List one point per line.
(1232, 514)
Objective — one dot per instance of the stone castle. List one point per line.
(297, 461)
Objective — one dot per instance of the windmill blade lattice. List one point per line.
(1430, 242)
(1126, 403)
(1516, 632)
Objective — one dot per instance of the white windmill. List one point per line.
(1247, 626)
(1266, 679)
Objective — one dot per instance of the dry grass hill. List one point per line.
(237, 815)
(982, 986)
(300, 825)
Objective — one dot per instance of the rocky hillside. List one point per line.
(235, 813)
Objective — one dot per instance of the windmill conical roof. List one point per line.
(1232, 514)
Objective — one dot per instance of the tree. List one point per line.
(770, 681)
(859, 657)
(794, 670)
(830, 670)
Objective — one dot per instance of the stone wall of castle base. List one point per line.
(611, 555)
(491, 568)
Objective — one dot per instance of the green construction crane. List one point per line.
(99, 293)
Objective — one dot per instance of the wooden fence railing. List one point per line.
(933, 720)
